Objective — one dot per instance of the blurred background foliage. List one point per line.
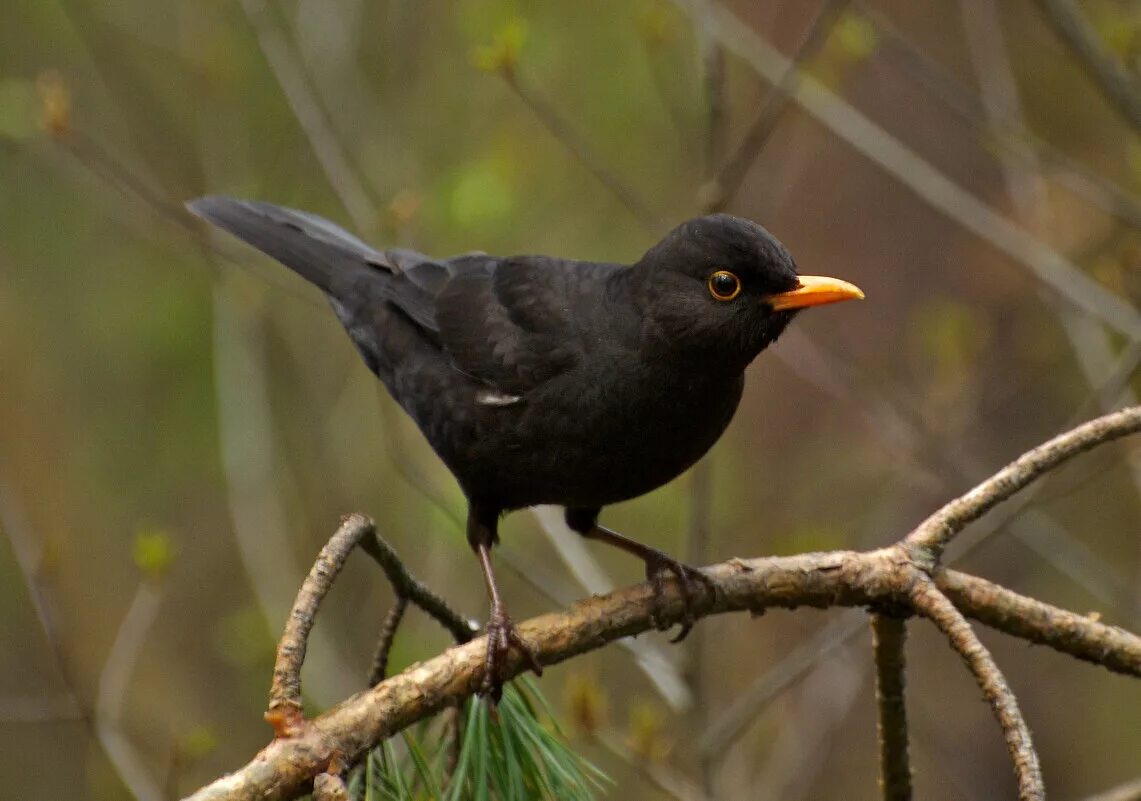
(182, 422)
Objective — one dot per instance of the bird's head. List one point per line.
(721, 289)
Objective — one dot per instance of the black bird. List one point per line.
(541, 380)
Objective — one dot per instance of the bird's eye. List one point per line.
(723, 285)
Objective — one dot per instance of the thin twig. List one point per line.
(933, 604)
(933, 534)
(408, 586)
(284, 710)
(388, 629)
(1119, 86)
(889, 634)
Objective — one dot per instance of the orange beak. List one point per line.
(815, 290)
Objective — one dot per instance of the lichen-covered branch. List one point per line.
(840, 578)
(933, 604)
(284, 711)
(902, 578)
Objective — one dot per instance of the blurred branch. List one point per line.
(103, 723)
(889, 635)
(915, 172)
(726, 181)
(39, 709)
(249, 467)
(1120, 86)
(1013, 136)
(799, 753)
(121, 659)
(661, 775)
(892, 576)
(933, 604)
(738, 716)
(1093, 346)
(562, 130)
(285, 65)
(1130, 791)
(934, 533)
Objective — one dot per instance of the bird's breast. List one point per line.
(592, 438)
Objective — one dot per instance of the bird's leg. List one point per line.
(658, 564)
(501, 633)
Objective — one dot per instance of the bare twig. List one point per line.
(1038, 622)
(384, 642)
(915, 172)
(408, 586)
(1119, 86)
(933, 534)
(889, 634)
(284, 711)
(933, 604)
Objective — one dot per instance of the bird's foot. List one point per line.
(658, 564)
(501, 636)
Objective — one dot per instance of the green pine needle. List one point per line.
(515, 758)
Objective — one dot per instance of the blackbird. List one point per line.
(541, 380)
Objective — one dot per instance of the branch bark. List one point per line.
(889, 634)
(933, 604)
(903, 577)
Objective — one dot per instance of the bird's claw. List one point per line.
(657, 566)
(501, 636)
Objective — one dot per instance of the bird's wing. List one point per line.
(506, 323)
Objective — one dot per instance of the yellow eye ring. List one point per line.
(723, 285)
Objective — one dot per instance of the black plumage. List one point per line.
(540, 380)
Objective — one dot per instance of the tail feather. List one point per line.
(309, 245)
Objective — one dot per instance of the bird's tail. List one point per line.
(313, 247)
